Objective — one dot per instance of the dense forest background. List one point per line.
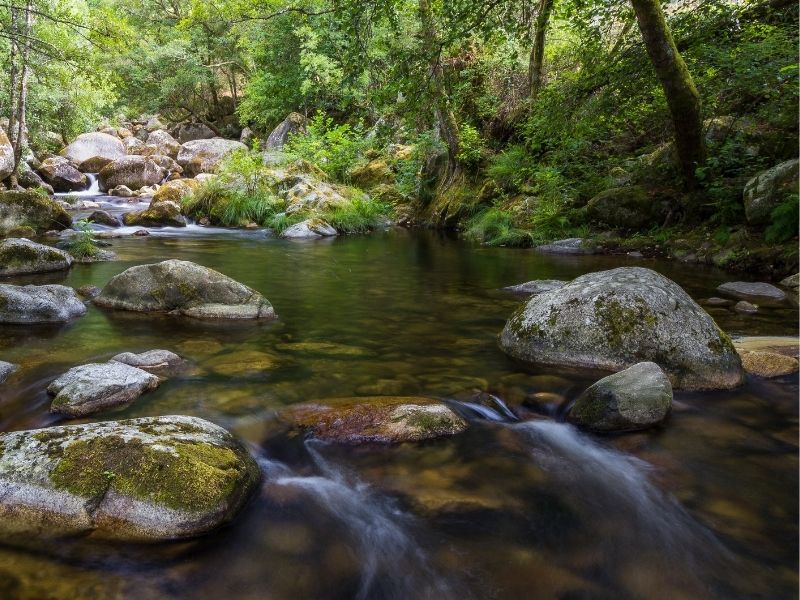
(515, 121)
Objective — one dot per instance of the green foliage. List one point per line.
(472, 146)
(360, 215)
(496, 227)
(509, 169)
(334, 148)
(82, 244)
(784, 221)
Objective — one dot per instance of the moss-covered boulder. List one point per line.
(175, 191)
(140, 480)
(637, 398)
(379, 419)
(134, 172)
(372, 174)
(627, 208)
(764, 192)
(166, 144)
(183, 288)
(97, 387)
(25, 304)
(19, 256)
(614, 319)
(158, 214)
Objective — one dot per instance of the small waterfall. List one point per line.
(498, 412)
(92, 190)
(393, 565)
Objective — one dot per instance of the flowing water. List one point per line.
(704, 507)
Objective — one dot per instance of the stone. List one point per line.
(132, 171)
(63, 175)
(627, 208)
(88, 291)
(372, 174)
(158, 362)
(743, 306)
(88, 146)
(714, 301)
(30, 209)
(309, 229)
(768, 364)
(95, 164)
(636, 398)
(537, 286)
(6, 155)
(309, 194)
(189, 132)
(764, 192)
(183, 288)
(380, 419)
(614, 319)
(203, 156)
(175, 191)
(158, 214)
(567, 246)
(152, 479)
(28, 178)
(165, 143)
(746, 290)
(39, 304)
(791, 282)
(102, 217)
(168, 164)
(121, 191)
(788, 346)
(97, 387)
(293, 123)
(6, 370)
(20, 256)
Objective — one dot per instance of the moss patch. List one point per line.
(618, 321)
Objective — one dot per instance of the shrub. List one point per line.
(784, 224)
(333, 148)
(496, 227)
(361, 215)
(82, 243)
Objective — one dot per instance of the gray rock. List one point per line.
(792, 282)
(29, 209)
(91, 145)
(133, 172)
(714, 301)
(743, 306)
(60, 173)
(746, 290)
(158, 362)
(614, 319)
(98, 387)
(537, 286)
(102, 217)
(166, 144)
(203, 156)
(568, 246)
(768, 189)
(277, 139)
(159, 214)
(39, 304)
(139, 480)
(20, 256)
(308, 229)
(6, 369)
(88, 291)
(183, 288)
(189, 132)
(636, 398)
(122, 191)
(6, 155)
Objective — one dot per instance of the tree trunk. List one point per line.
(21, 138)
(445, 120)
(537, 49)
(679, 88)
(12, 77)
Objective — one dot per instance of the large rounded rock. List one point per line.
(636, 398)
(309, 229)
(158, 362)
(62, 175)
(768, 364)
(756, 291)
(158, 214)
(193, 131)
(30, 209)
(132, 171)
(203, 156)
(768, 189)
(39, 304)
(139, 480)
(96, 387)
(91, 145)
(6, 156)
(614, 319)
(625, 208)
(175, 191)
(19, 256)
(293, 123)
(381, 419)
(183, 288)
(166, 144)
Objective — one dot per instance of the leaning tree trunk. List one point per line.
(12, 76)
(679, 88)
(537, 50)
(445, 120)
(20, 141)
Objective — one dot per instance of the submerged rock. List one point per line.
(537, 286)
(98, 387)
(309, 229)
(768, 364)
(744, 307)
(636, 398)
(380, 419)
(614, 319)
(39, 304)
(88, 291)
(157, 362)
(102, 217)
(183, 288)
(30, 209)
(19, 256)
(139, 480)
(747, 290)
(568, 246)
(6, 369)
(788, 346)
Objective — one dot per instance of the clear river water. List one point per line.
(705, 506)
